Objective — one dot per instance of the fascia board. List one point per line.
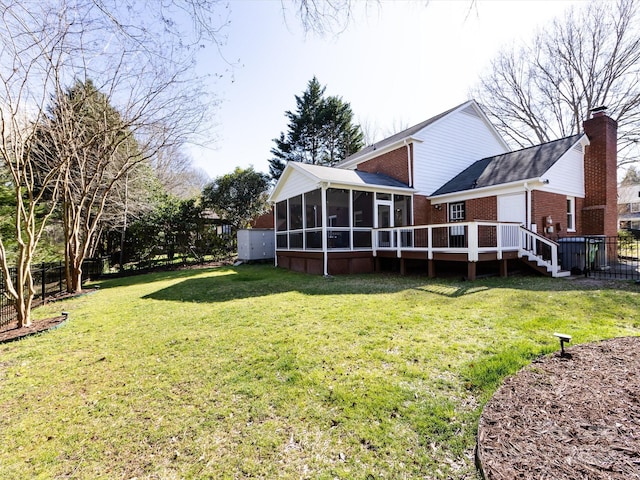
(368, 188)
(503, 188)
(288, 171)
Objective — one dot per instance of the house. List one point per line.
(629, 207)
(444, 191)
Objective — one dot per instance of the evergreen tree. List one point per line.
(238, 197)
(321, 131)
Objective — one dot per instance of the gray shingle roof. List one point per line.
(523, 164)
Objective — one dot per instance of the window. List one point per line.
(402, 210)
(571, 214)
(634, 207)
(362, 209)
(281, 216)
(295, 212)
(456, 212)
(337, 207)
(313, 209)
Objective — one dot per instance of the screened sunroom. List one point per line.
(324, 217)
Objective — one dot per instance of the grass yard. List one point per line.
(255, 372)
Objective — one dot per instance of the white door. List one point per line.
(384, 219)
(512, 208)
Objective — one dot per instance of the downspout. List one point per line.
(409, 169)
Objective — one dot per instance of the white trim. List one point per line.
(572, 212)
(503, 188)
(355, 159)
(325, 246)
(320, 182)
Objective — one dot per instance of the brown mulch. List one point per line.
(572, 417)
(12, 332)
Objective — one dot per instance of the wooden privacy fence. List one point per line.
(48, 281)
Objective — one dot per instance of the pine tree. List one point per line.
(321, 131)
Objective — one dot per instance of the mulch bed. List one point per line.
(12, 332)
(572, 417)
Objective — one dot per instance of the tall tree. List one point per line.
(29, 61)
(321, 131)
(238, 197)
(99, 151)
(546, 89)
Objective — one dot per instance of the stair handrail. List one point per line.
(528, 245)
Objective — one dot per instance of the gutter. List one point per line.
(486, 191)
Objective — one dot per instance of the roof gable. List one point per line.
(410, 133)
(520, 165)
(317, 174)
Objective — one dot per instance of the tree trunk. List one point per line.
(76, 279)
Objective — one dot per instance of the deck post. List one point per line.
(403, 269)
(431, 268)
(471, 271)
(503, 268)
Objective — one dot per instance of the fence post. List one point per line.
(43, 281)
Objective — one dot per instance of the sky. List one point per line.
(397, 63)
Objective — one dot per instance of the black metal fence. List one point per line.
(601, 257)
(48, 281)
(109, 268)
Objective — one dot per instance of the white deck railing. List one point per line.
(470, 238)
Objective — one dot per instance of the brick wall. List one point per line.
(546, 204)
(482, 209)
(423, 211)
(263, 221)
(393, 163)
(599, 212)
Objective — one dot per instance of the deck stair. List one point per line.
(542, 266)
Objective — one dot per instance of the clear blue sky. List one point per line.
(398, 63)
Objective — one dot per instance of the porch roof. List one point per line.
(339, 177)
(521, 165)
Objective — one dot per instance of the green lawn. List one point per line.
(255, 372)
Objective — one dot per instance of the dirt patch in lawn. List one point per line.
(571, 417)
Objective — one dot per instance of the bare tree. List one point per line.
(139, 68)
(545, 90)
(177, 175)
(30, 62)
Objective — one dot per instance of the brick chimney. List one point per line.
(600, 213)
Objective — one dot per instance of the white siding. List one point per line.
(451, 145)
(295, 184)
(566, 176)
